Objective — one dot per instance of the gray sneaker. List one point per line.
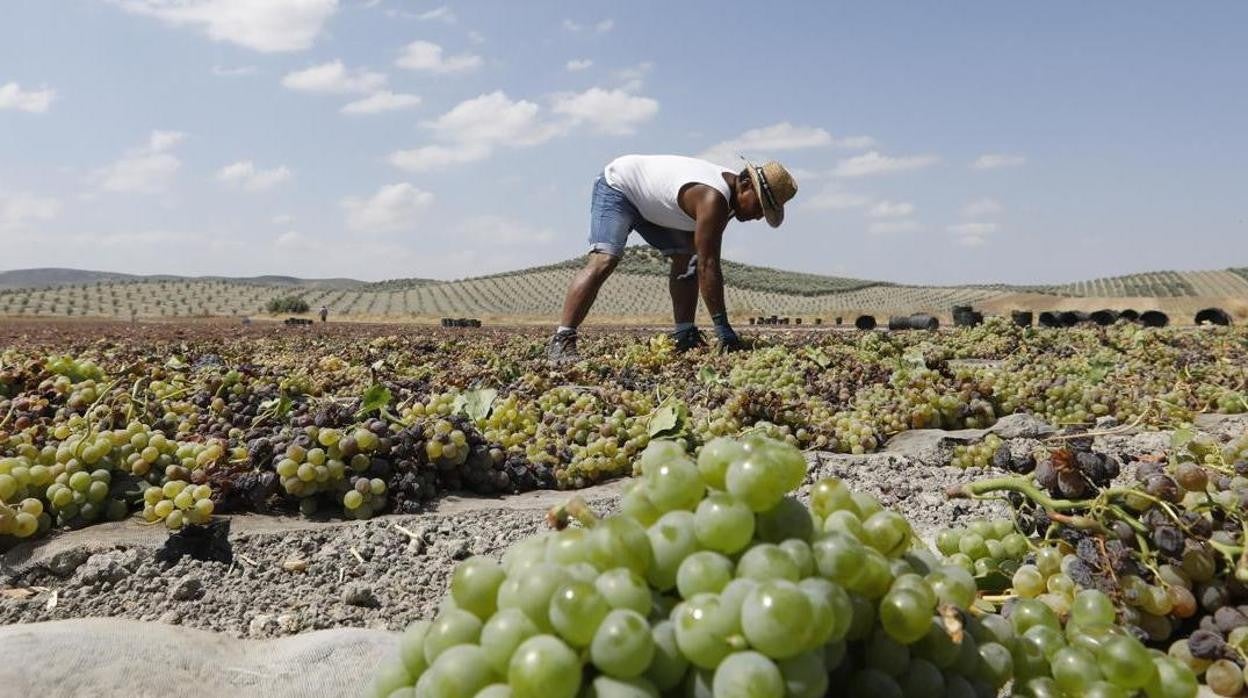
(562, 348)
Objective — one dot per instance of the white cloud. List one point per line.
(394, 207)
(972, 234)
(381, 102)
(578, 64)
(835, 200)
(471, 130)
(269, 26)
(245, 174)
(476, 37)
(604, 26)
(433, 157)
(334, 78)
(890, 209)
(427, 56)
(982, 207)
(12, 96)
(492, 119)
(992, 161)
(758, 142)
(873, 163)
(443, 14)
(19, 209)
(894, 227)
(283, 219)
(632, 78)
(145, 170)
(607, 111)
(240, 71)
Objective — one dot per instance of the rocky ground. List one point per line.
(290, 576)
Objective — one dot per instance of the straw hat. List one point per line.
(775, 186)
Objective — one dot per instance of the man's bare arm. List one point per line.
(708, 235)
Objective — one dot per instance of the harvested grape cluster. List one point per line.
(356, 421)
(1165, 544)
(715, 581)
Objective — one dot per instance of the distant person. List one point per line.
(324, 313)
(680, 206)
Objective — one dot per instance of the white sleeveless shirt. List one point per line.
(653, 182)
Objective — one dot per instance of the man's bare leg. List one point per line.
(584, 288)
(682, 282)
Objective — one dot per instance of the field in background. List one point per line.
(636, 293)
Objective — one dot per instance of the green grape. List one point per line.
(608, 687)
(474, 585)
(391, 677)
(1125, 662)
(748, 675)
(886, 654)
(531, 591)
(789, 519)
(922, 679)
(619, 541)
(675, 484)
(669, 666)
(1074, 670)
(723, 524)
(458, 672)
(575, 611)
(494, 690)
(1029, 612)
(623, 589)
(800, 553)
(544, 667)
(829, 495)
(703, 630)
(502, 634)
(1224, 678)
(840, 559)
(1101, 689)
(875, 683)
(775, 618)
(672, 540)
(905, 615)
(622, 646)
(845, 522)
(1092, 607)
(412, 648)
(636, 502)
(452, 627)
(953, 585)
(766, 561)
(805, 676)
(715, 457)
(888, 532)
(996, 664)
(1028, 581)
(1174, 680)
(755, 482)
(703, 572)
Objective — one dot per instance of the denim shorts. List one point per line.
(612, 217)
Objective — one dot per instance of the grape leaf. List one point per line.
(707, 375)
(376, 398)
(476, 404)
(176, 363)
(279, 406)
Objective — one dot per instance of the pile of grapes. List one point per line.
(714, 581)
(1165, 544)
(359, 421)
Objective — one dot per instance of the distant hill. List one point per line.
(53, 276)
(636, 290)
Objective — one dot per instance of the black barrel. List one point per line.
(818, 321)
(1104, 317)
(1154, 318)
(1070, 318)
(839, 320)
(865, 322)
(967, 318)
(1049, 319)
(1022, 318)
(960, 309)
(797, 321)
(913, 322)
(1129, 315)
(1213, 316)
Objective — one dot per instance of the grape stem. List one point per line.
(576, 509)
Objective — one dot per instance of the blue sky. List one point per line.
(933, 142)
